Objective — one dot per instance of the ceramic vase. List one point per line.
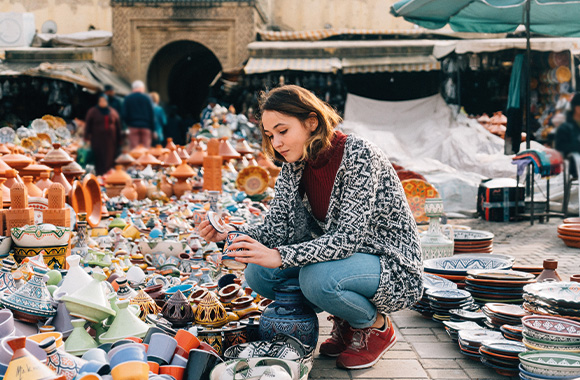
(24, 365)
(289, 314)
(61, 362)
(81, 248)
(436, 242)
(177, 310)
(32, 302)
(7, 285)
(79, 340)
(125, 292)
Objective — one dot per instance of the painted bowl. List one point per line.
(5, 245)
(551, 329)
(459, 265)
(168, 247)
(551, 363)
(40, 235)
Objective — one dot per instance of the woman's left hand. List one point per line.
(254, 252)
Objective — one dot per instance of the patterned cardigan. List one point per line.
(368, 213)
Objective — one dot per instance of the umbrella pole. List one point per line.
(528, 75)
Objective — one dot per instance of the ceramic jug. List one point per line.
(437, 241)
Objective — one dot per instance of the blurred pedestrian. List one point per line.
(160, 118)
(139, 116)
(103, 132)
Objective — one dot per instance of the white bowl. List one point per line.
(40, 235)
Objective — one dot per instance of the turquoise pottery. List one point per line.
(79, 340)
(32, 302)
(186, 289)
(7, 284)
(125, 325)
(289, 314)
(89, 302)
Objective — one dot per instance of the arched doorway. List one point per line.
(181, 72)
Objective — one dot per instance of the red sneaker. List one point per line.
(339, 337)
(367, 346)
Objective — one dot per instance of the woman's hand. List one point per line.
(254, 252)
(209, 233)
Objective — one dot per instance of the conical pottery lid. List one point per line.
(146, 304)
(170, 144)
(4, 149)
(24, 365)
(242, 147)
(177, 310)
(73, 169)
(16, 160)
(3, 166)
(124, 159)
(32, 298)
(126, 324)
(56, 156)
(89, 302)
(33, 190)
(210, 311)
(148, 159)
(138, 151)
(196, 158)
(117, 177)
(226, 150)
(183, 171)
(172, 159)
(79, 340)
(76, 277)
(158, 151)
(182, 154)
(62, 320)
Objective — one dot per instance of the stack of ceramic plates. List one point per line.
(502, 355)
(499, 314)
(471, 340)
(560, 299)
(570, 234)
(497, 285)
(533, 269)
(431, 282)
(543, 332)
(512, 332)
(443, 300)
(453, 328)
(462, 315)
(549, 365)
(473, 241)
(455, 268)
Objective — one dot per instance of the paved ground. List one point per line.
(424, 350)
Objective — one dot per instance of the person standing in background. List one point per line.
(116, 103)
(160, 118)
(103, 132)
(139, 116)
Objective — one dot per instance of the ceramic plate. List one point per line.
(498, 283)
(467, 325)
(459, 265)
(552, 325)
(501, 274)
(562, 293)
(472, 235)
(432, 281)
(416, 192)
(252, 180)
(448, 294)
(509, 310)
(216, 222)
(552, 359)
(504, 347)
(476, 337)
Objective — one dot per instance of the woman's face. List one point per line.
(103, 102)
(287, 134)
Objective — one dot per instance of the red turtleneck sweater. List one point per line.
(318, 177)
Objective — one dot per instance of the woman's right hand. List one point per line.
(209, 233)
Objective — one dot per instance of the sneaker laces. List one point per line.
(360, 338)
(336, 332)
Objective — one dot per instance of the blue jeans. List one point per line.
(342, 287)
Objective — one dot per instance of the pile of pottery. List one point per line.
(549, 365)
(570, 234)
(505, 286)
(441, 301)
(499, 314)
(473, 241)
(502, 356)
(559, 299)
(50, 240)
(431, 283)
(545, 333)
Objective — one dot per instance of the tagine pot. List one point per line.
(125, 325)
(89, 302)
(177, 310)
(24, 365)
(291, 315)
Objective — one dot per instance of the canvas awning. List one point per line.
(321, 34)
(444, 48)
(264, 65)
(389, 64)
(88, 74)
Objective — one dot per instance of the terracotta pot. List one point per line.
(140, 187)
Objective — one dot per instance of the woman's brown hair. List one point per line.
(300, 103)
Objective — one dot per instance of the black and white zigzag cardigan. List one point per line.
(368, 213)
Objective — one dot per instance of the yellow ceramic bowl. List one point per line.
(42, 336)
(131, 371)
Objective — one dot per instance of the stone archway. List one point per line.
(181, 72)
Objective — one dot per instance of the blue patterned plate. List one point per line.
(433, 281)
(448, 294)
(459, 265)
(472, 235)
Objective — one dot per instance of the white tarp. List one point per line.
(425, 135)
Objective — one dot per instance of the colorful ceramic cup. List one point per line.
(176, 371)
(161, 348)
(186, 340)
(229, 261)
(131, 371)
(129, 353)
(96, 354)
(153, 367)
(93, 366)
(200, 364)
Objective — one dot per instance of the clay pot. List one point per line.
(129, 191)
(117, 177)
(227, 151)
(33, 190)
(196, 158)
(138, 151)
(44, 182)
(140, 187)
